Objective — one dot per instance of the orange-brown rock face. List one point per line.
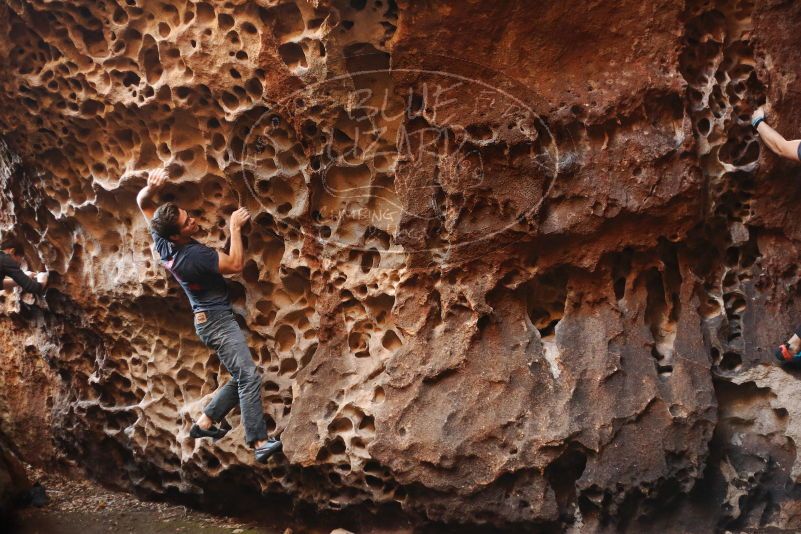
(510, 263)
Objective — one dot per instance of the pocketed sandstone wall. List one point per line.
(509, 263)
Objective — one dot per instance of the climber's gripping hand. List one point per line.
(146, 197)
(157, 178)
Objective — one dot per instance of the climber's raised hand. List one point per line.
(146, 197)
(238, 219)
(157, 178)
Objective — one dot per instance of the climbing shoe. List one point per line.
(268, 449)
(213, 432)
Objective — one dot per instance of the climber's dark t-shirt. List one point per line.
(197, 269)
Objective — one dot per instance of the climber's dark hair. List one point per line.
(165, 220)
(12, 244)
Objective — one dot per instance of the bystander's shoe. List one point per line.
(38, 496)
(785, 354)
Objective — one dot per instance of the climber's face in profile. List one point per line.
(187, 224)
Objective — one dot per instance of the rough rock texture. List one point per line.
(509, 263)
(13, 482)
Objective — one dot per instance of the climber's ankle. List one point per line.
(205, 422)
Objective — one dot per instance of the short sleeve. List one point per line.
(162, 246)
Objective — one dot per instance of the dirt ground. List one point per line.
(84, 507)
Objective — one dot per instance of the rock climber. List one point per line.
(791, 350)
(199, 269)
(10, 259)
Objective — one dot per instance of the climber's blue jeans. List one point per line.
(220, 332)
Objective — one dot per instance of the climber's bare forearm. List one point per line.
(146, 195)
(233, 261)
(146, 198)
(8, 284)
(777, 143)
